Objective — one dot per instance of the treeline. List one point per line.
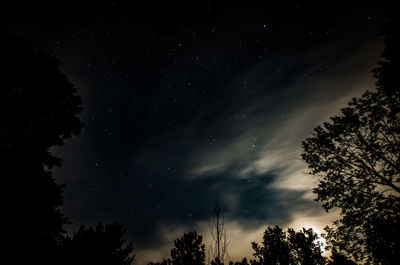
(277, 247)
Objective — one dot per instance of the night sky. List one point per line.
(186, 105)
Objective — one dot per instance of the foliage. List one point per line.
(216, 261)
(389, 65)
(382, 236)
(101, 245)
(293, 247)
(39, 109)
(189, 249)
(163, 262)
(339, 259)
(356, 159)
(243, 262)
(304, 247)
(274, 249)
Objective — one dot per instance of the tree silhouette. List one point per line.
(216, 261)
(382, 234)
(274, 249)
(101, 245)
(279, 247)
(219, 244)
(243, 262)
(163, 262)
(339, 259)
(304, 247)
(188, 249)
(356, 157)
(39, 109)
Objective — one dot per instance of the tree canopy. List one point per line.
(274, 249)
(103, 244)
(189, 249)
(39, 109)
(291, 247)
(356, 156)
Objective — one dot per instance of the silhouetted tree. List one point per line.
(188, 249)
(219, 245)
(305, 249)
(356, 157)
(274, 249)
(101, 245)
(382, 236)
(39, 109)
(216, 261)
(339, 259)
(279, 247)
(243, 262)
(163, 262)
(388, 67)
